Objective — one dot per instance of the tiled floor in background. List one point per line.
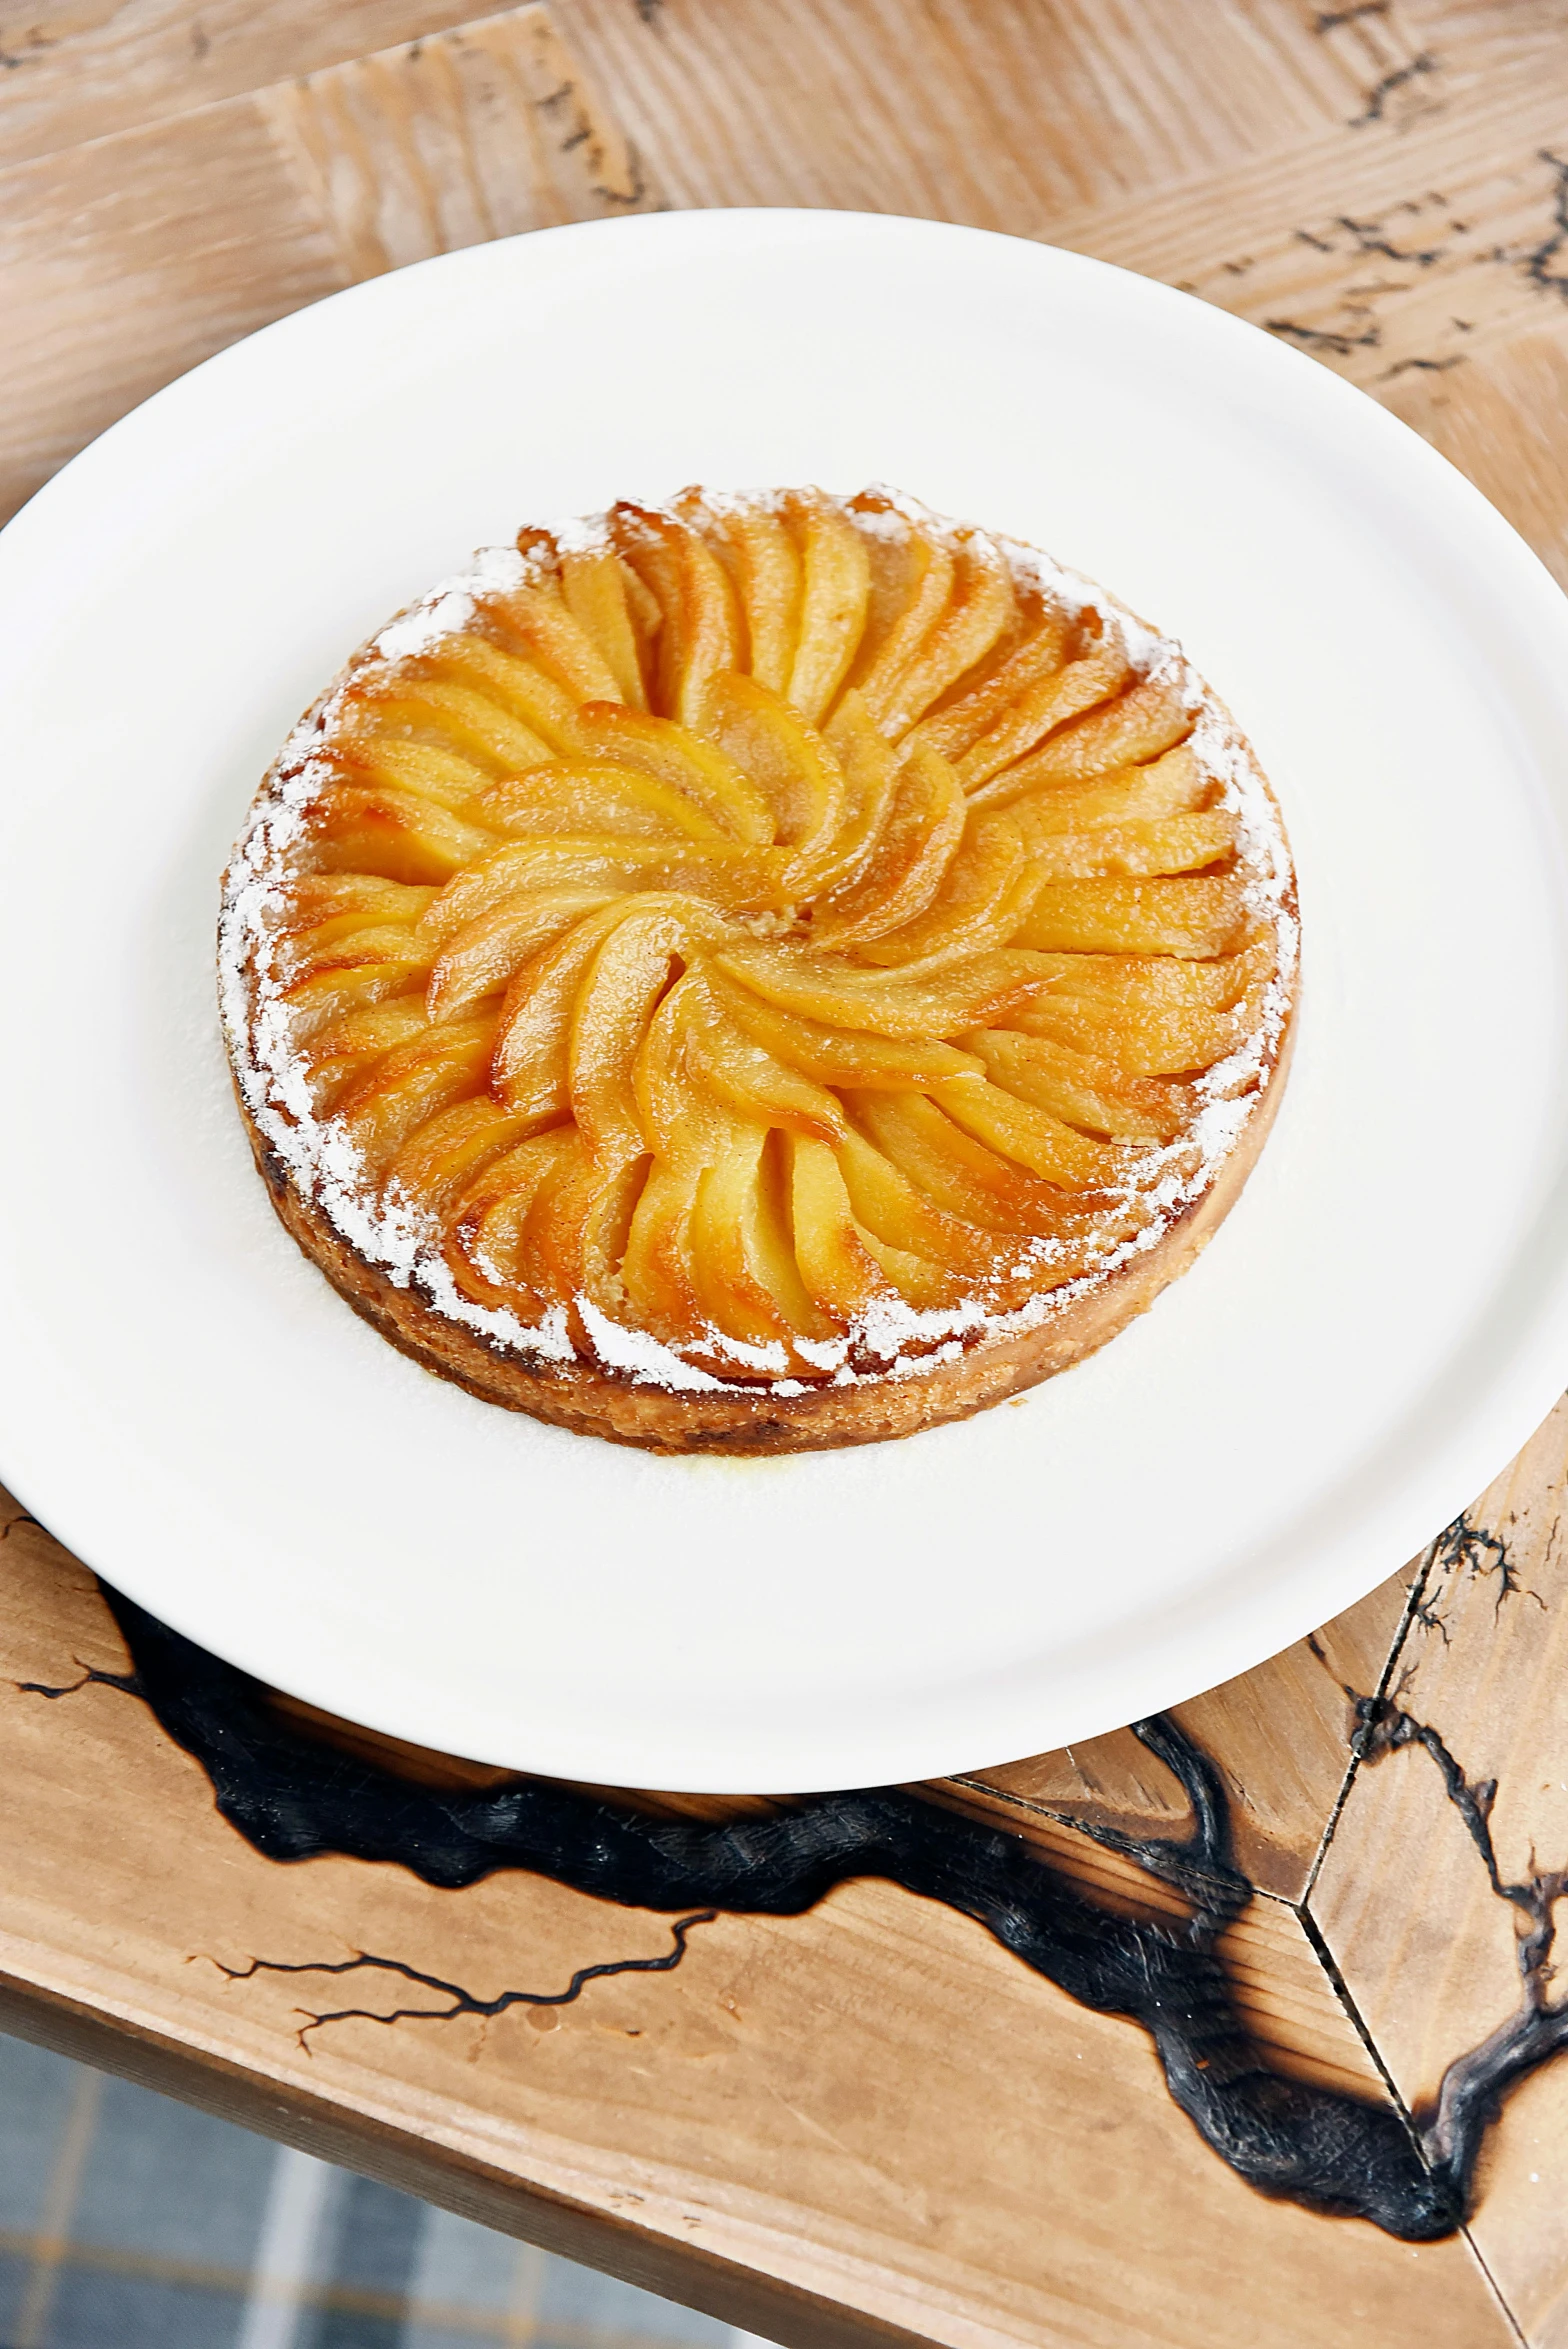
(128, 2222)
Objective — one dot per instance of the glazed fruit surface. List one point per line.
(768, 939)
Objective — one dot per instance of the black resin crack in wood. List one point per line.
(1474, 2084)
(1463, 1550)
(462, 2002)
(294, 1799)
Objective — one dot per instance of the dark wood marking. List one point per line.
(636, 193)
(1465, 1549)
(1470, 2094)
(1539, 264)
(126, 1682)
(1422, 367)
(293, 1799)
(1370, 238)
(462, 2002)
(1323, 338)
(1329, 20)
(1397, 78)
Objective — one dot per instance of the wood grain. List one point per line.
(1002, 116)
(872, 2108)
(75, 70)
(1426, 1949)
(129, 260)
(1278, 1735)
(1431, 247)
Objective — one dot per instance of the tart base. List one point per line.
(591, 1400)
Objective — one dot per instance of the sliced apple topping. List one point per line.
(770, 922)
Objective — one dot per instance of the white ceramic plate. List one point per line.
(1381, 1322)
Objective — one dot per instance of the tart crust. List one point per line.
(686, 1393)
(589, 1399)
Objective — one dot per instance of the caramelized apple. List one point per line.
(746, 952)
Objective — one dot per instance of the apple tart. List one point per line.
(766, 972)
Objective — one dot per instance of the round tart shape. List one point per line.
(769, 972)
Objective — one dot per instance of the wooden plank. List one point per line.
(1382, 258)
(1428, 1950)
(1500, 420)
(871, 2110)
(1000, 116)
(73, 70)
(126, 261)
(1277, 1734)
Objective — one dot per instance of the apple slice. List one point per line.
(683, 762)
(1189, 915)
(411, 1085)
(615, 991)
(835, 597)
(1158, 980)
(458, 716)
(656, 1262)
(442, 1159)
(978, 904)
(798, 775)
(1146, 1042)
(742, 1256)
(917, 842)
(424, 768)
(699, 638)
(484, 1246)
(594, 797)
(594, 585)
(840, 1272)
(765, 567)
(1051, 701)
(574, 1235)
(1029, 1135)
(1174, 785)
(917, 1000)
(735, 1069)
(1149, 718)
(955, 1169)
(483, 956)
(834, 1056)
(328, 898)
(979, 607)
(526, 692)
(910, 587)
(339, 1055)
(374, 943)
(964, 721)
(371, 828)
(1083, 1089)
(316, 1004)
(533, 1035)
(540, 620)
(890, 1209)
(1170, 844)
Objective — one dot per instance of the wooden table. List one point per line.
(869, 2120)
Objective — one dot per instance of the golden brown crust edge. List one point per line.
(591, 1401)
